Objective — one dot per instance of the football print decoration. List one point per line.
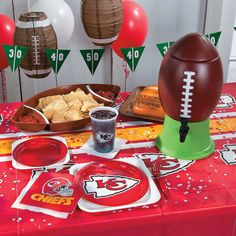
(102, 20)
(35, 31)
(190, 83)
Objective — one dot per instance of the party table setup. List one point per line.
(57, 179)
(94, 159)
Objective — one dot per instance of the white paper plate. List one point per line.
(152, 195)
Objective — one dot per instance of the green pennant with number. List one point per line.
(163, 47)
(56, 57)
(132, 56)
(214, 37)
(235, 28)
(15, 55)
(92, 58)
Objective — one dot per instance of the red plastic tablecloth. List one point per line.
(197, 197)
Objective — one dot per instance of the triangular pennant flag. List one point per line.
(92, 58)
(214, 37)
(163, 47)
(132, 56)
(235, 28)
(14, 54)
(56, 57)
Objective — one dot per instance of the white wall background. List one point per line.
(232, 59)
(168, 21)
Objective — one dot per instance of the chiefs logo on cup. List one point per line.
(104, 137)
(103, 186)
(229, 154)
(162, 165)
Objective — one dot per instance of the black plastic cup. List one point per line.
(103, 121)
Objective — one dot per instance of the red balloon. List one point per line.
(134, 28)
(7, 30)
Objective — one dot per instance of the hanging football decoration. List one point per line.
(102, 20)
(34, 30)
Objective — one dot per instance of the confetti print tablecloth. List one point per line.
(197, 197)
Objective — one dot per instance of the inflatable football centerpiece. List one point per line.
(190, 83)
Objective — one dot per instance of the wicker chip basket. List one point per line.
(102, 20)
(35, 31)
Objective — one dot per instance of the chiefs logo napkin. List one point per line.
(49, 193)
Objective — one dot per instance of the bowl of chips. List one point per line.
(66, 107)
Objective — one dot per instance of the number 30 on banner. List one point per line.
(15, 55)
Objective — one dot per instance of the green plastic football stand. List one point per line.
(198, 143)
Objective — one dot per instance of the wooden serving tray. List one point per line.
(70, 125)
(126, 108)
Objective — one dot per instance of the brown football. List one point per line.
(190, 78)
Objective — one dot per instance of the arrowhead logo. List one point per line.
(104, 186)
(229, 154)
(162, 165)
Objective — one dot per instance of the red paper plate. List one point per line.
(40, 152)
(111, 183)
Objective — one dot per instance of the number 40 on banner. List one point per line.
(132, 56)
(56, 57)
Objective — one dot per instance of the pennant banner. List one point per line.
(132, 56)
(56, 58)
(235, 28)
(163, 47)
(214, 37)
(92, 58)
(15, 55)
